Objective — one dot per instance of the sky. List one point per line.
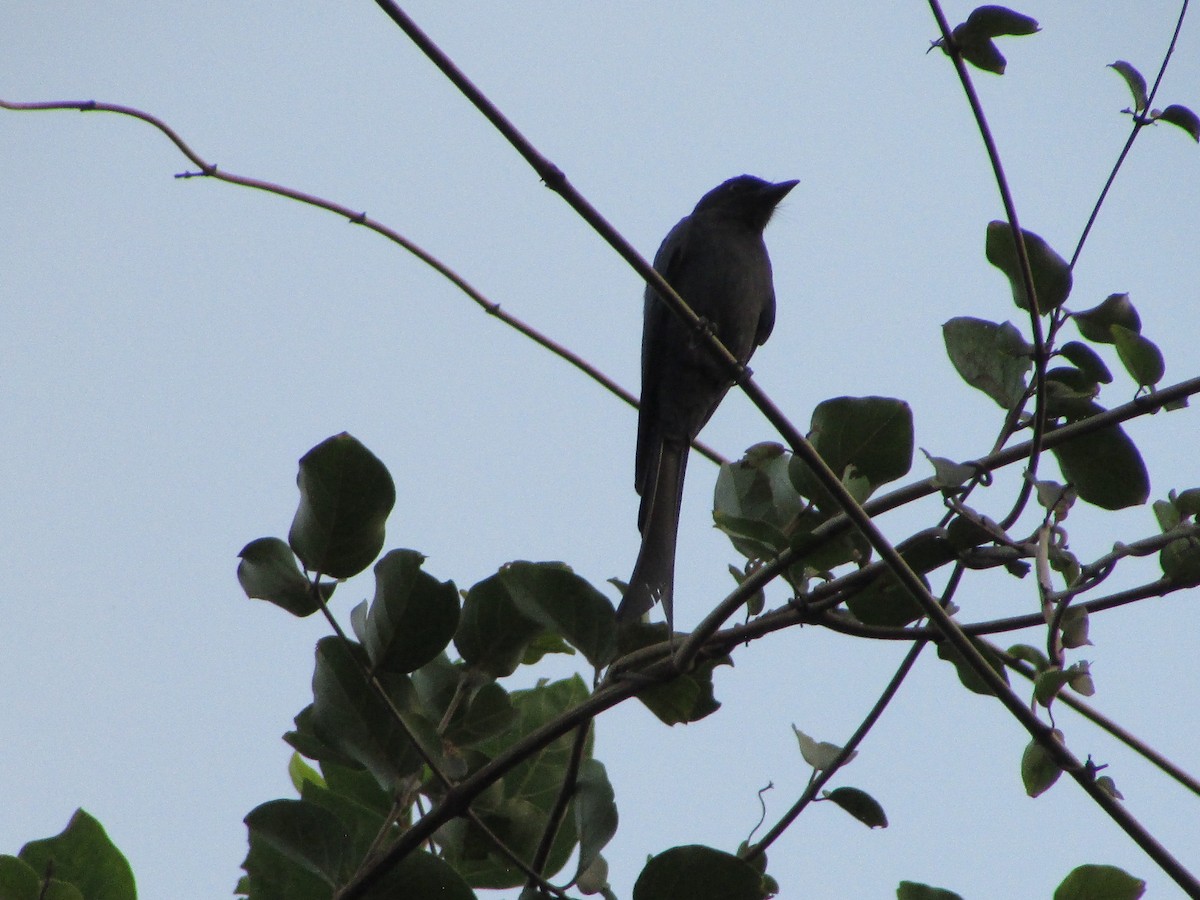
(170, 348)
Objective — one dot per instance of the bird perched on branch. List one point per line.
(716, 260)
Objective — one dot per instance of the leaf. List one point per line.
(997, 21)
(973, 38)
(413, 616)
(1088, 361)
(268, 571)
(1052, 277)
(1039, 771)
(595, 813)
(859, 804)
(493, 635)
(1182, 117)
(947, 473)
(912, 890)
(1180, 561)
(819, 754)
(991, 358)
(1096, 882)
(521, 802)
(1105, 468)
(971, 679)
(697, 873)
(1141, 358)
(345, 497)
(1096, 323)
(689, 697)
(82, 855)
(869, 437)
(1135, 81)
(1048, 683)
(563, 603)
(306, 835)
(350, 717)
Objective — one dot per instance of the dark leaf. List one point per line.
(991, 358)
(996, 21)
(1088, 361)
(82, 855)
(912, 890)
(697, 873)
(869, 436)
(1039, 771)
(1052, 277)
(493, 635)
(1184, 118)
(859, 804)
(345, 497)
(351, 717)
(1133, 78)
(595, 812)
(413, 616)
(305, 834)
(971, 679)
(1096, 882)
(1141, 358)
(1096, 323)
(1105, 469)
(564, 604)
(268, 571)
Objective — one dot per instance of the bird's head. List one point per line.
(745, 198)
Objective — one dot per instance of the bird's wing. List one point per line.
(656, 320)
(766, 321)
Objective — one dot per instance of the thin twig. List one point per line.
(357, 217)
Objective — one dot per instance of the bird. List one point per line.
(716, 260)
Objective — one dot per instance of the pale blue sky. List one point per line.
(170, 349)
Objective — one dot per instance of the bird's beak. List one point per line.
(776, 192)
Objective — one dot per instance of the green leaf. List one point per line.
(1039, 771)
(268, 571)
(1183, 117)
(1105, 468)
(1075, 628)
(859, 804)
(1096, 882)
(1052, 277)
(970, 679)
(305, 834)
(998, 21)
(413, 616)
(1087, 360)
(819, 754)
(697, 873)
(421, 874)
(973, 38)
(1141, 358)
(1031, 655)
(565, 604)
(83, 856)
(595, 809)
(1096, 323)
(947, 473)
(301, 773)
(913, 890)
(522, 800)
(1133, 78)
(1048, 683)
(885, 600)
(688, 698)
(1180, 561)
(867, 437)
(345, 497)
(991, 358)
(493, 634)
(350, 717)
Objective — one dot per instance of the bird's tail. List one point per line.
(653, 578)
